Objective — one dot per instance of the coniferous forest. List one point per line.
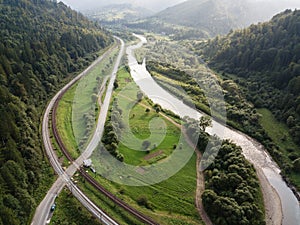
(43, 44)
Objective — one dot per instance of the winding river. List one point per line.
(253, 151)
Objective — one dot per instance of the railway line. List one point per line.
(43, 215)
(92, 181)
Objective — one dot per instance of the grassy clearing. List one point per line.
(117, 213)
(139, 126)
(64, 122)
(77, 111)
(279, 133)
(171, 201)
(84, 106)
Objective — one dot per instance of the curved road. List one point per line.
(42, 214)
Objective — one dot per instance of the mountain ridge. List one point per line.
(215, 17)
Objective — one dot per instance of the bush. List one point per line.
(143, 201)
(146, 144)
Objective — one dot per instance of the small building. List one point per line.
(87, 163)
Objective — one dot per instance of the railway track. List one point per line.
(116, 200)
(92, 181)
(42, 214)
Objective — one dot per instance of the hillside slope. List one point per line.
(214, 17)
(265, 61)
(118, 13)
(42, 44)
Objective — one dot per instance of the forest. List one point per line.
(264, 60)
(43, 44)
(268, 56)
(232, 192)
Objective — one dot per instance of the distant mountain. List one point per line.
(118, 13)
(42, 44)
(215, 17)
(152, 5)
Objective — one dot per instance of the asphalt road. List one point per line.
(43, 215)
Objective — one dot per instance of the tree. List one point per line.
(204, 122)
(139, 96)
(116, 84)
(290, 121)
(146, 144)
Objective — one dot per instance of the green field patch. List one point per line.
(77, 110)
(84, 108)
(171, 201)
(160, 133)
(277, 131)
(64, 122)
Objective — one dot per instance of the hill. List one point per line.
(42, 44)
(117, 13)
(215, 17)
(264, 60)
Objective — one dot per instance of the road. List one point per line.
(42, 214)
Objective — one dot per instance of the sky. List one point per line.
(154, 5)
(158, 5)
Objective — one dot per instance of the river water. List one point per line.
(253, 151)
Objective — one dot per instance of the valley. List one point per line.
(177, 112)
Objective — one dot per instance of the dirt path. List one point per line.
(199, 191)
(200, 184)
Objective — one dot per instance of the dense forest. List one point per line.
(232, 192)
(264, 60)
(43, 43)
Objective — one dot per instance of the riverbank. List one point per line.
(273, 208)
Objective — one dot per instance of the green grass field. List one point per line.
(279, 133)
(77, 105)
(84, 108)
(276, 130)
(171, 201)
(64, 122)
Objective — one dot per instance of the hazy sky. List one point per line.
(154, 5)
(157, 5)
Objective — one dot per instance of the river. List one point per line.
(252, 150)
